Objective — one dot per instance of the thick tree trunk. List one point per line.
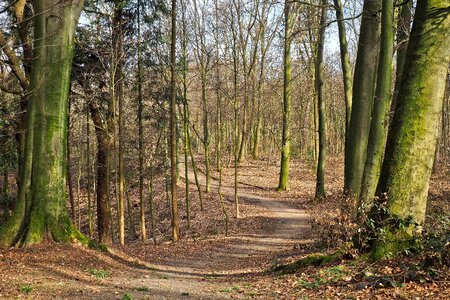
(413, 138)
(363, 92)
(286, 138)
(41, 211)
(378, 126)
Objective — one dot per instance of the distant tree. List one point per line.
(320, 174)
(173, 129)
(20, 66)
(345, 62)
(287, 98)
(118, 92)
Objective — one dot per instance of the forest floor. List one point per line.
(274, 229)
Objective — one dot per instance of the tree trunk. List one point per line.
(173, 130)
(88, 174)
(150, 200)
(286, 139)
(103, 160)
(185, 114)
(5, 191)
(206, 137)
(320, 177)
(413, 138)
(345, 62)
(132, 227)
(79, 174)
(403, 29)
(68, 173)
(118, 85)
(378, 127)
(41, 211)
(236, 117)
(363, 91)
(261, 94)
(141, 129)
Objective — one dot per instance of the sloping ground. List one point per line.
(200, 269)
(274, 228)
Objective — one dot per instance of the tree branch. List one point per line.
(13, 62)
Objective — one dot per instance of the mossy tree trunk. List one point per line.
(41, 211)
(413, 137)
(380, 112)
(363, 92)
(320, 174)
(286, 139)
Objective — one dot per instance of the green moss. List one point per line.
(310, 260)
(393, 243)
(93, 244)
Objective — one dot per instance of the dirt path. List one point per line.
(208, 273)
(207, 268)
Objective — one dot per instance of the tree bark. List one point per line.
(380, 112)
(173, 130)
(363, 91)
(403, 30)
(41, 211)
(88, 174)
(413, 138)
(118, 85)
(286, 138)
(345, 63)
(103, 160)
(320, 176)
(141, 129)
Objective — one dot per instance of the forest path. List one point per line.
(210, 266)
(206, 269)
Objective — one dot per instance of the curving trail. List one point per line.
(208, 268)
(207, 276)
